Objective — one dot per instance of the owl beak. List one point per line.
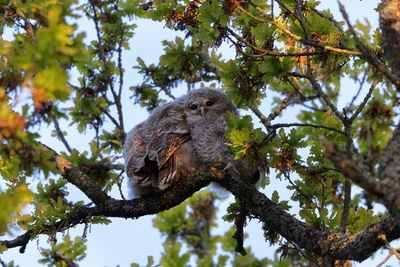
(202, 110)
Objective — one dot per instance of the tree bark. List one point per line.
(389, 174)
(390, 26)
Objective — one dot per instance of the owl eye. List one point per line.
(209, 103)
(193, 107)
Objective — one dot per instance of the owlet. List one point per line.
(179, 137)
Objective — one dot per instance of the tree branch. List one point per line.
(347, 166)
(368, 54)
(240, 223)
(336, 245)
(60, 134)
(117, 98)
(298, 18)
(335, 23)
(366, 98)
(118, 208)
(279, 125)
(363, 79)
(358, 246)
(318, 91)
(265, 52)
(388, 172)
(73, 175)
(390, 25)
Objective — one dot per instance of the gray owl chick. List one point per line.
(205, 111)
(178, 138)
(158, 151)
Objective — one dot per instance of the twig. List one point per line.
(318, 90)
(264, 120)
(386, 259)
(107, 165)
(167, 92)
(120, 69)
(60, 134)
(364, 78)
(3, 264)
(119, 184)
(309, 198)
(99, 39)
(108, 114)
(313, 108)
(272, 9)
(392, 250)
(268, 20)
(335, 23)
(366, 98)
(117, 181)
(265, 52)
(279, 125)
(300, 20)
(117, 98)
(347, 122)
(346, 206)
(295, 247)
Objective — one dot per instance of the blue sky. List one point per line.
(127, 241)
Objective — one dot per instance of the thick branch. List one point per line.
(368, 54)
(19, 241)
(355, 247)
(73, 175)
(389, 173)
(336, 245)
(121, 208)
(389, 166)
(390, 26)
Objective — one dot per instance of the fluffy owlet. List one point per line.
(179, 137)
(205, 111)
(159, 151)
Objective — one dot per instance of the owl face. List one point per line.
(200, 106)
(206, 103)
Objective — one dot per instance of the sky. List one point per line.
(127, 241)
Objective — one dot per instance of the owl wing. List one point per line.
(163, 150)
(135, 150)
(155, 166)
